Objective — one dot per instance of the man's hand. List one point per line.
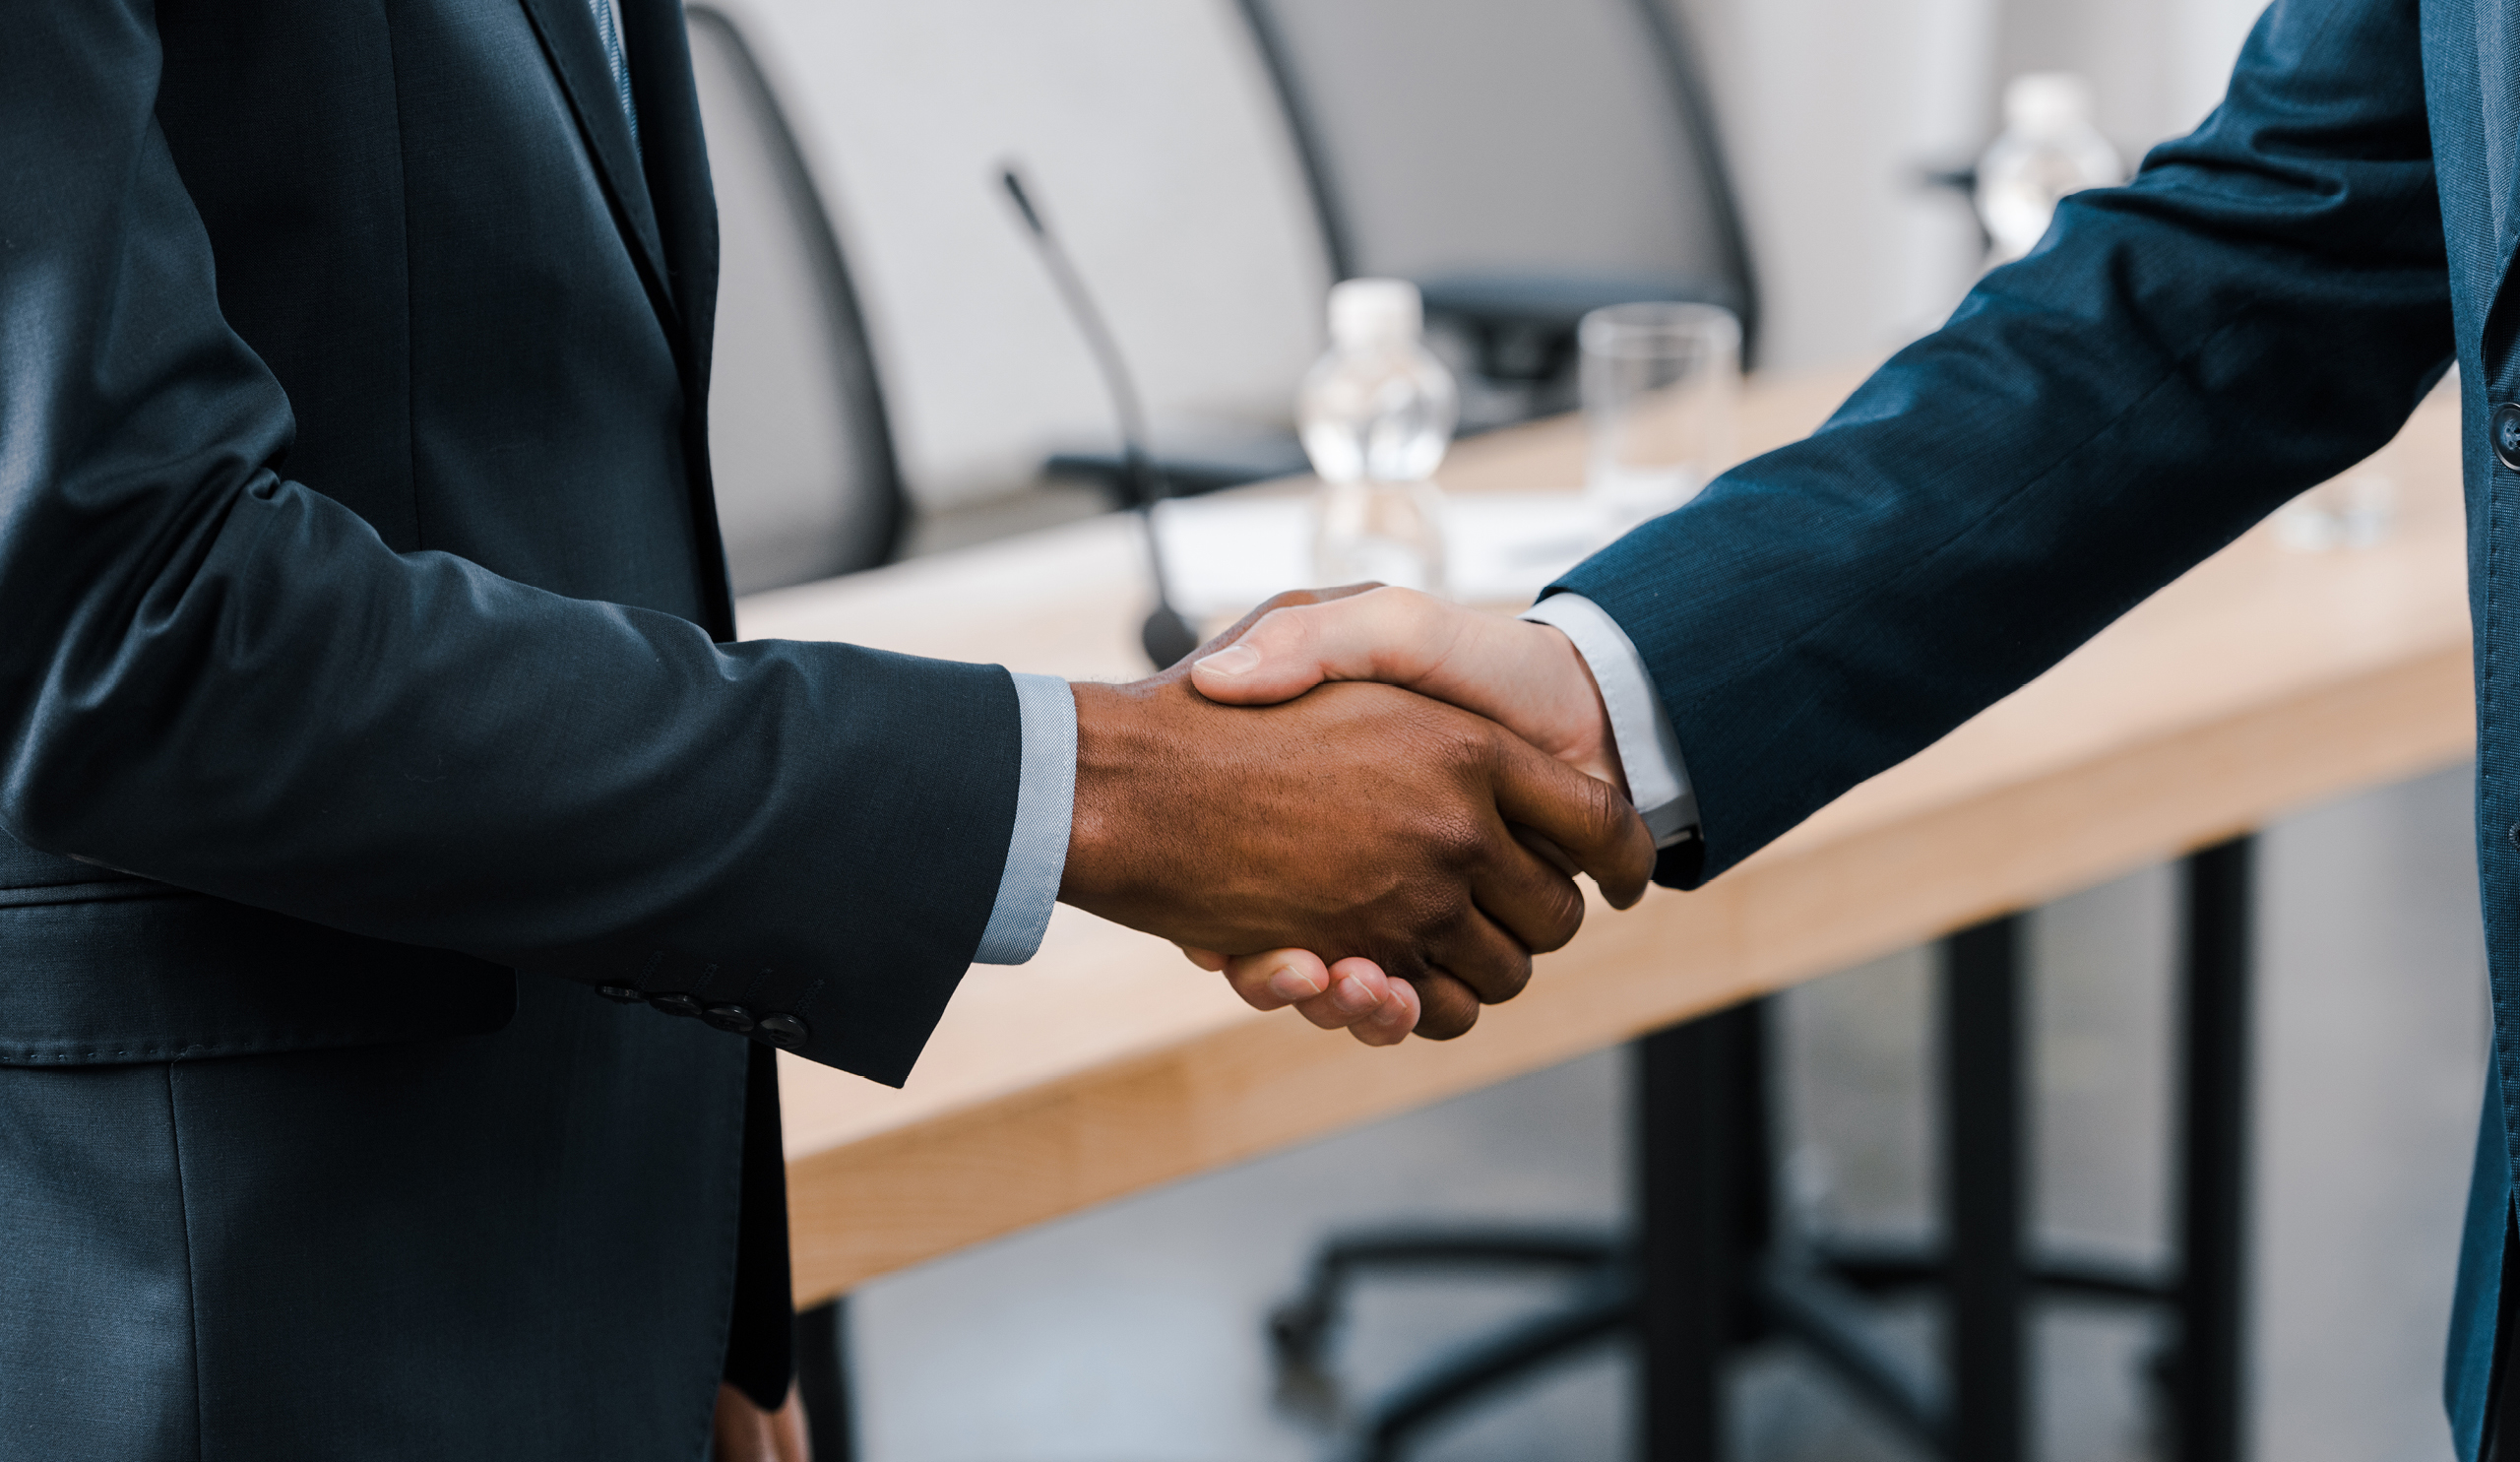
(743, 1433)
(1353, 995)
(1525, 676)
(1359, 821)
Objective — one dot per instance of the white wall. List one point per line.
(2159, 66)
(1831, 108)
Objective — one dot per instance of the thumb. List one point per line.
(1378, 635)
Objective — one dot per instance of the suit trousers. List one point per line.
(515, 1246)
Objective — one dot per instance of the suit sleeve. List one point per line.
(221, 678)
(2261, 307)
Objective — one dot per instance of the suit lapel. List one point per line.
(678, 172)
(666, 208)
(568, 35)
(686, 218)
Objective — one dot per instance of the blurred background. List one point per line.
(1213, 169)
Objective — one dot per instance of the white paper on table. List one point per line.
(1226, 554)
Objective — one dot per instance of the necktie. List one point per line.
(608, 23)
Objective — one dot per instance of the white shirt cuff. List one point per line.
(1657, 780)
(1044, 808)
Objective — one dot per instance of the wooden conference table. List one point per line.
(2266, 679)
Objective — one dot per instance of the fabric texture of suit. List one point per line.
(366, 666)
(2262, 306)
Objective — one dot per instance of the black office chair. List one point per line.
(798, 440)
(1524, 164)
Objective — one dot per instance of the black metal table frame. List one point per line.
(1707, 1268)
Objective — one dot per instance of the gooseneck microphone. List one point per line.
(1166, 636)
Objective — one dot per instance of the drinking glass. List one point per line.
(1662, 384)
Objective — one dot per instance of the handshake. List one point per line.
(1383, 857)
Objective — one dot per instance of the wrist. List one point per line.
(1104, 727)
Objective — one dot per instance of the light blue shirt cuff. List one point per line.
(1657, 780)
(1044, 806)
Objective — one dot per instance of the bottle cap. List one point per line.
(2046, 103)
(1374, 312)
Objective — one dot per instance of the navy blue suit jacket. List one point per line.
(2262, 306)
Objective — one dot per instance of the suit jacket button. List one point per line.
(786, 1032)
(621, 992)
(733, 1018)
(2504, 432)
(2514, 835)
(674, 1002)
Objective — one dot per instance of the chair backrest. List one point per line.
(798, 441)
(1156, 148)
(1453, 138)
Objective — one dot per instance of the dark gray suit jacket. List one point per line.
(363, 624)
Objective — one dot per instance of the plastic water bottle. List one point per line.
(2048, 149)
(1376, 415)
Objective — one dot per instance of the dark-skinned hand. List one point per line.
(1356, 821)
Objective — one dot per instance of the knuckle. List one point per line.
(1457, 843)
(1456, 737)
(1415, 613)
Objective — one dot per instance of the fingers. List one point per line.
(1390, 1022)
(1291, 599)
(1584, 817)
(1535, 907)
(1481, 955)
(1353, 994)
(1451, 1007)
(1527, 677)
(1392, 635)
(1276, 979)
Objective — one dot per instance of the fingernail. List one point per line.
(1232, 659)
(1352, 995)
(1291, 983)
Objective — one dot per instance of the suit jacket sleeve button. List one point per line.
(621, 992)
(786, 1032)
(733, 1018)
(2504, 432)
(674, 1002)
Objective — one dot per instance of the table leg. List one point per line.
(822, 1380)
(2207, 1374)
(1983, 1102)
(1696, 1164)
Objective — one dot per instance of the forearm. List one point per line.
(2263, 307)
(227, 682)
